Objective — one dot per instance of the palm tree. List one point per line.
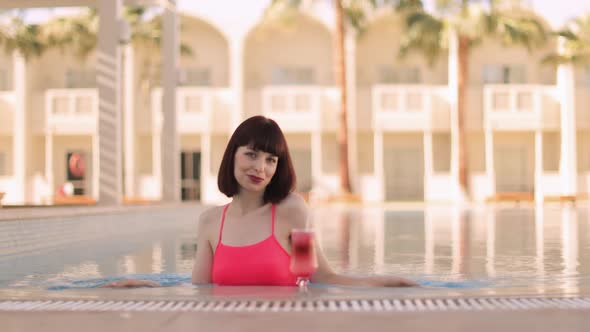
(76, 33)
(350, 14)
(469, 22)
(79, 35)
(16, 35)
(576, 48)
(80, 32)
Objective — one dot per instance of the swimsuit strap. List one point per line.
(222, 221)
(273, 218)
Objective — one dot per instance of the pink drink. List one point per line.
(303, 258)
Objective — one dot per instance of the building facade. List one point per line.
(528, 125)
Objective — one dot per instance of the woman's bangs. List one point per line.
(267, 142)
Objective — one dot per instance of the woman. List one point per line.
(246, 242)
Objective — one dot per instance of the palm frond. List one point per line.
(527, 31)
(405, 6)
(576, 46)
(424, 33)
(567, 34)
(77, 33)
(22, 37)
(281, 11)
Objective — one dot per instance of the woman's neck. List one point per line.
(247, 202)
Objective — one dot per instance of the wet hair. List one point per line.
(260, 134)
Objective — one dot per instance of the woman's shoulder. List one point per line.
(210, 216)
(293, 209)
(293, 201)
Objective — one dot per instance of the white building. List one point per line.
(528, 128)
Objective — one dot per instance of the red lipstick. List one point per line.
(255, 179)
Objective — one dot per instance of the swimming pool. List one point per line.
(481, 250)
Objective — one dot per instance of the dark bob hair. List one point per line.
(261, 134)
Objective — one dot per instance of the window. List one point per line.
(503, 74)
(80, 78)
(196, 76)
(387, 74)
(3, 166)
(190, 173)
(293, 76)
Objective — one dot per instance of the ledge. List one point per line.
(511, 197)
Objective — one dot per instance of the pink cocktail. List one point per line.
(303, 256)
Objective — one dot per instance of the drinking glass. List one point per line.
(303, 256)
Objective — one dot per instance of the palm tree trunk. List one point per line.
(340, 71)
(463, 71)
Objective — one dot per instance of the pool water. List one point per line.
(481, 249)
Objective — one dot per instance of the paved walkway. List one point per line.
(545, 320)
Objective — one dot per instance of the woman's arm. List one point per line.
(297, 213)
(326, 275)
(204, 253)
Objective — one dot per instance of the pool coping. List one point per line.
(53, 212)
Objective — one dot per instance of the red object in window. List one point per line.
(77, 165)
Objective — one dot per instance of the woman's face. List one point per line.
(254, 169)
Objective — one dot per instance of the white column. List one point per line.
(110, 189)
(316, 156)
(568, 162)
(170, 152)
(129, 123)
(489, 155)
(236, 70)
(453, 65)
(378, 163)
(49, 163)
(539, 167)
(21, 132)
(205, 167)
(428, 162)
(157, 159)
(95, 166)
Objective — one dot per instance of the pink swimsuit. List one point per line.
(265, 263)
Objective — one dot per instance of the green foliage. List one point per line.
(78, 34)
(21, 37)
(424, 33)
(473, 20)
(576, 48)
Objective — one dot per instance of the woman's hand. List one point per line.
(131, 283)
(383, 281)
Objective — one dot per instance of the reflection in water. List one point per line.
(428, 242)
(157, 261)
(512, 245)
(129, 265)
(461, 236)
(188, 249)
(490, 221)
(569, 240)
(345, 239)
(540, 250)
